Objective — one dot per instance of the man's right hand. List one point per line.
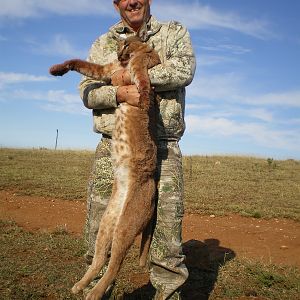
(128, 94)
(121, 77)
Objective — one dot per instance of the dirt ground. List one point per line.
(272, 241)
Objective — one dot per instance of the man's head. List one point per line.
(133, 12)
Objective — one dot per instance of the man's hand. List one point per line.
(128, 94)
(120, 78)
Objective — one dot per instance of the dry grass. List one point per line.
(46, 265)
(213, 185)
(49, 173)
(38, 266)
(249, 278)
(245, 185)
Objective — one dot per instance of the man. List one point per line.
(172, 42)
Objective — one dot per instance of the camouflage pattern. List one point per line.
(167, 268)
(99, 190)
(172, 42)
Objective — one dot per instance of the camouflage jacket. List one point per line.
(172, 42)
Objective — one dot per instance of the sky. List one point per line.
(244, 99)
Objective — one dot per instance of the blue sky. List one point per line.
(245, 97)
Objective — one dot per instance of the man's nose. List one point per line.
(132, 2)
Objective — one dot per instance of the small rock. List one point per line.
(212, 216)
(283, 247)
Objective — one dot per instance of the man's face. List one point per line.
(133, 11)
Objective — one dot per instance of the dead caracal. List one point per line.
(130, 208)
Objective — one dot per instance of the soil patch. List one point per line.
(42, 214)
(272, 241)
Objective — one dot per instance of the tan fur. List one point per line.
(131, 205)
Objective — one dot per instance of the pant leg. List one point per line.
(167, 269)
(98, 194)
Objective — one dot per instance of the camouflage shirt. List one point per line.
(172, 42)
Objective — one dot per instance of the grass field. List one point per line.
(44, 266)
(261, 188)
(245, 185)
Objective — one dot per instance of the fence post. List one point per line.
(56, 139)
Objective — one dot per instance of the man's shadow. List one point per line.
(203, 260)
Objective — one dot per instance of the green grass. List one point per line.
(45, 266)
(260, 188)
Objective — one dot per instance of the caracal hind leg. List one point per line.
(146, 241)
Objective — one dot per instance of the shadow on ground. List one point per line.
(203, 260)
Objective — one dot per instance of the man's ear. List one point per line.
(116, 6)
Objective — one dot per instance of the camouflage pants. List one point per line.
(167, 269)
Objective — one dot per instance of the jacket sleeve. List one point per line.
(94, 93)
(178, 60)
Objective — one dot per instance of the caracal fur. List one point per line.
(131, 206)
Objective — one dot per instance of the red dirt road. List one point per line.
(271, 241)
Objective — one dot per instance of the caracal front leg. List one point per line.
(122, 241)
(102, 246)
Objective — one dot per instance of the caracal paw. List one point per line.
(93, 295)
(77, 288)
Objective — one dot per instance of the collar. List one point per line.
(121, 31)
